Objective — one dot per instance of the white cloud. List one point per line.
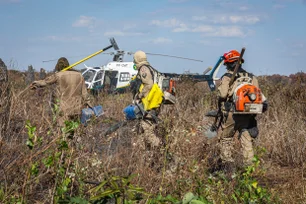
(122, 33)
(216, 31)
(161, 40)
(181, 28)
(230, 30)
(84, 21)
(177, 25)
(226, 31)
(223, 19)
(244, 19)
(203, 29)
(173, 22)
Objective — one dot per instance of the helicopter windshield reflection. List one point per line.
(89, 75)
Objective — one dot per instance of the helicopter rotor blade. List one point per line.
(174, 57)
(130, 53)
(114, 44)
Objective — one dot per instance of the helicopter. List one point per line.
(118, 76)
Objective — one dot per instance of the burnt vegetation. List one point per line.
(41, 164)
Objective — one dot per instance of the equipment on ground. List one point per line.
(88, 113)
(133, 111)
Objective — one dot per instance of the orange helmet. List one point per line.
(231, 56)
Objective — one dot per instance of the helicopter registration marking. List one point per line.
(122, 65)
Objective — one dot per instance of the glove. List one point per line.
(265, 106)
(136, 99)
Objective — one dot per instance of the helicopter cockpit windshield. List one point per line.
(93, 77)
(89, 75)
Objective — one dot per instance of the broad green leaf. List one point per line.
(196, 202)
(188, 197)
(104, 194)
(98, 187)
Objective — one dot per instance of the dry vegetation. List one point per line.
(59, 168)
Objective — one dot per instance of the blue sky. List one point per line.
(273, 32)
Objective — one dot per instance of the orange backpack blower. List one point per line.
(247, 99)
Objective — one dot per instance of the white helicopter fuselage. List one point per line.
(115, 74)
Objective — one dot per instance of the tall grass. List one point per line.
(58, 166)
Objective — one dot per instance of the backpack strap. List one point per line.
(227, 74)
(150, 68)
(242, 71)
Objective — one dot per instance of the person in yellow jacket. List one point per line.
(70, 90)
(146, 75)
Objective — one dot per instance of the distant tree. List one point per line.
(42, 74)
(298, 77)
(30, 75)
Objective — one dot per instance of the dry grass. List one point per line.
(174, 168)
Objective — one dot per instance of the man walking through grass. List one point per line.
(245, 124)
(146, 75)
(70, 90)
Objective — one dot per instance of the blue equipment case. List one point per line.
(87, 113)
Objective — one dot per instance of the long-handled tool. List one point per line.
(113, 44)
(237, 67)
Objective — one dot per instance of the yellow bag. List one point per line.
(154, 97)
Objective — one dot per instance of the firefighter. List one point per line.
(245, 124)
(70, 90)
(145, 75)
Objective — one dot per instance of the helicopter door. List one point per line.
(98, 80)
(111, 80)
(89, 76)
